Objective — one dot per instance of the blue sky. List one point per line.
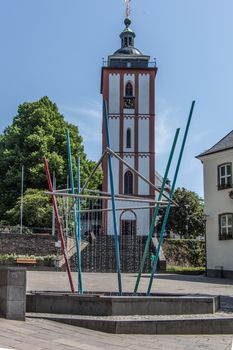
(55, 48)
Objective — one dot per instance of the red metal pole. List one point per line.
(61, 236)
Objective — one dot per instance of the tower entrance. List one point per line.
(128, 224)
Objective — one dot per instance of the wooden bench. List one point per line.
(26, 261)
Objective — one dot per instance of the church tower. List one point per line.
(128, 86)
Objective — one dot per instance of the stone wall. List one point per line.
(38, 245)
(99, 256)
(13, 293)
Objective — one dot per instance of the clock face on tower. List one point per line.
(128, 103)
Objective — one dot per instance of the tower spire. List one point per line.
(127, 8)
(128, 55)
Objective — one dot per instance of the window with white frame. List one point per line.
(224, 176)
(225, 226)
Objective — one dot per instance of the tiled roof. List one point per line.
(159, 180)
(225, 143)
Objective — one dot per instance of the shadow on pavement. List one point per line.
(191, 278)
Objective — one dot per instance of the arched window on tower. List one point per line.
(130, 41)
(128, 138)
(129, 90)
(128, 183)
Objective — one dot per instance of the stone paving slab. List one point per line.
(48, 335)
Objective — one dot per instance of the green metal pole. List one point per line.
(156, 211)
(155, 263)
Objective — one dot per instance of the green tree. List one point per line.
(37, 209)
(188, 217)
(38, 131)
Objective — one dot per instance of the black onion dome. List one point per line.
(128, 51)
(128, 55)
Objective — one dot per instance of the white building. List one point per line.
(217, 166)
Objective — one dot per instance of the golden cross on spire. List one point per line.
(128, 8)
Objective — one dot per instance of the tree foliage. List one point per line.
(188, 217)
(38, 131)
(37, 210)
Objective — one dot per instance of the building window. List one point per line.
(130, 41)
(128, 90)
(224, 176)
(128, 183)
(125, 42)
(129, 99)
(225, 226)
(128, 138)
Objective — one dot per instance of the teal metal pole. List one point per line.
(80, 289)
(118, 263)
(79, 216)
(156, 211)
(79, 204)
(155, 263)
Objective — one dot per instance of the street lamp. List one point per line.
(187, 206)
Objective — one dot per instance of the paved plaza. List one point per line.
(41, 334)
(35, 334)
(163, 283)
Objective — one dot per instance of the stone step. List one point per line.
(99, 256)
(219, 323)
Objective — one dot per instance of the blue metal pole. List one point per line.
(80, 289)
(155, 263)
(118, 264)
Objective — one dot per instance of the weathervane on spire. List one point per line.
(128, 8)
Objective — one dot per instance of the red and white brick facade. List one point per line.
(140, 120)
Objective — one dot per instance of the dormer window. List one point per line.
(224, 176)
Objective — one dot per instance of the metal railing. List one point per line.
(151, 64)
